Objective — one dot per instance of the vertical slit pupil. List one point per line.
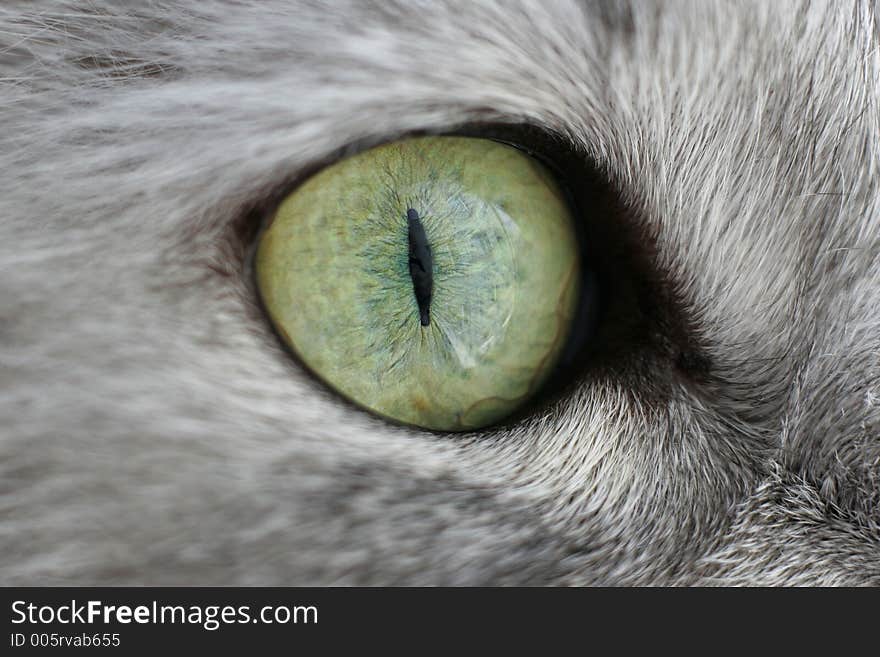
(421, 265)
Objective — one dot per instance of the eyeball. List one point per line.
(432, 281)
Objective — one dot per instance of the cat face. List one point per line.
(155, 431)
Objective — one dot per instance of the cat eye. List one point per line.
(434, 280)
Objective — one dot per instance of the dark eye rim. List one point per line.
(611, 293)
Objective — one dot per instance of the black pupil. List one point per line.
(421, 265)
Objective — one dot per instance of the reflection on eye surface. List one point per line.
(431, 280)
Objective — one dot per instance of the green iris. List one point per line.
(431, 280)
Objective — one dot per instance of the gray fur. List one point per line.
(152, 431)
